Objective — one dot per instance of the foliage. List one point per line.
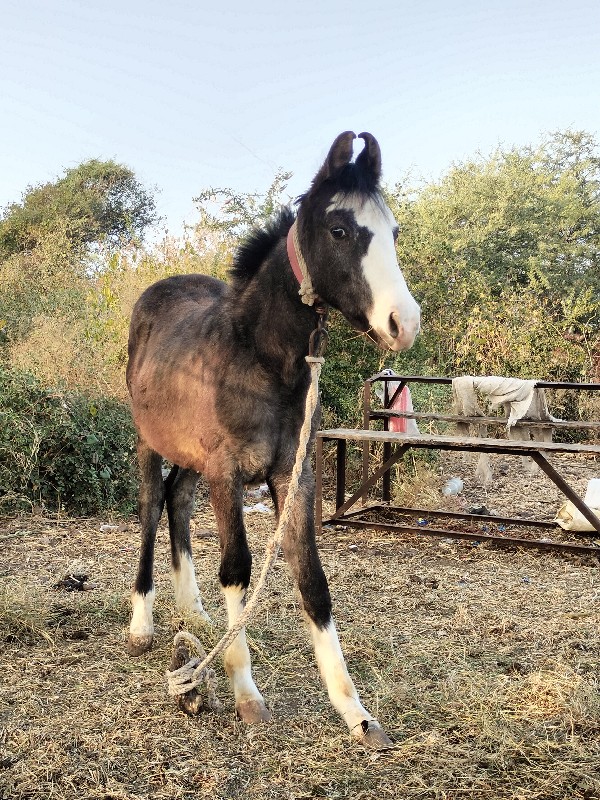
(349, 359)
(233, 214)
(504, 255)
(47, 242)
(95, 202)
(75, 332)
(63, 449)
(48, 279)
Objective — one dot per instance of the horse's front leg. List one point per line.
(301, 553)
(234, 573)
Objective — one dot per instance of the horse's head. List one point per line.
(346, 234)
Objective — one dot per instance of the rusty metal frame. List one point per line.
(396, 445)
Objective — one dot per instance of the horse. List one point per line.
(218, 380)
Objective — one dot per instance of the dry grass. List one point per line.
(482, 665)
(61, 352)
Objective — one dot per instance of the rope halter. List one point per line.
(306, 291)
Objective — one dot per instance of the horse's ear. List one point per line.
(370, 155)
(340, 152)
(339, 155)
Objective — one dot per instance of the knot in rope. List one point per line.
(189, 676)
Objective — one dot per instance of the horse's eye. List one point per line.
(337, 233)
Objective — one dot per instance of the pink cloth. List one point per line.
(401, 403)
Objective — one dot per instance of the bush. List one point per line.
(64, 449)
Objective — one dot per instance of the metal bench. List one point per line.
(395, 445)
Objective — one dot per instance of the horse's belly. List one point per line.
(173, 416)
(188, 429)
(212, 453)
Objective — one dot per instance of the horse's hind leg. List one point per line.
(180, 506)
(150, 505)
(234, 574)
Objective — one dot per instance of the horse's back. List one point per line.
(173, 311)
(179, 294)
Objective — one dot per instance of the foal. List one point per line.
(218, 380)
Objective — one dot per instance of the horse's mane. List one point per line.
(353, 178)
(255, 248)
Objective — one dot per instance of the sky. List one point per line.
(192, 94)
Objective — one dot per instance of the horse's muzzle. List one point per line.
(401, 332)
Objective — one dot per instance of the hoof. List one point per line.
(253, 711)
(137, 645)
(372, 736)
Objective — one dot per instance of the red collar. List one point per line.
(293, 256)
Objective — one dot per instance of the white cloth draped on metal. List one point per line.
(515, 394)
(519, 398)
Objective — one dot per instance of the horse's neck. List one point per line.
(270, 315)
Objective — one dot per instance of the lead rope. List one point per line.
(196, 670)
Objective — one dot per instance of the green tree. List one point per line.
(503, 253)
(47, 241)
(95, 202)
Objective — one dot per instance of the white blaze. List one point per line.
(395, 314)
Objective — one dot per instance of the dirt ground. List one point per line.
(513, 490)
(480, 662)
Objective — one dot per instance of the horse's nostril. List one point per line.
(394, 327)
